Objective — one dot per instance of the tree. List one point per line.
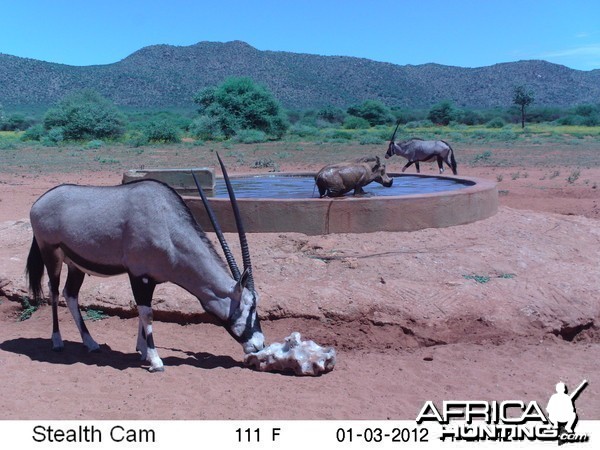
(332, 114)
(239, 104)
(442, 113)
(523, 98)
(85, 115)
(375, 112)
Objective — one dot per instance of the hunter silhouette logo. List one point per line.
(561, 410)
(509, 420)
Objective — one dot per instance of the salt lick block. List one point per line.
(179, 179)
(294, 355)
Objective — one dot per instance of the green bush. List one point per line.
(239, 104)
(136, 138)
(94, 145)
(207, 128)
(496, 122)
(369, 139)
(338, 135)
(15, 122)
(469, 117)
(303, 130)
(332, 115)
(356, 123)
(162, 131)
(54, 137)
(442, 113)
(34, 133)
(373, 111)
(85, 115)
(251, 136)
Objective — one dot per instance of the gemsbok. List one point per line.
(146, 230)
(417, 150)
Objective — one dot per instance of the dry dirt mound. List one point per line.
(516, 274)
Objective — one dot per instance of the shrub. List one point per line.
(34, 133)
(304, 130)
(54, 137)
(373, 111)
(251, 136)
(136, 139)
(94, 145)
(356, 123)
(369, 139)
(442, 113)
(470, 117)
(85, 115)
(15, 122)
(207, 128)
(339, 135)
(496, 122)
(419, 124)
(332, 115)
(240, 104)
(162, 131)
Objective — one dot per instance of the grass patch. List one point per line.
(574, 176)
(94, 315)
(482, 157)
(478, 278)
(28, 309)
(482, 279)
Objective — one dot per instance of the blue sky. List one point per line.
(453, 32)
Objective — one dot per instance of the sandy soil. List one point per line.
(405, 311)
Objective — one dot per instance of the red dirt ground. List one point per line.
(408, 318)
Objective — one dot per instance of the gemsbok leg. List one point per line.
(74, 281)
(440, 162)
(53, 263)
(143, 289)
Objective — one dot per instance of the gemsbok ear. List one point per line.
(244, 279)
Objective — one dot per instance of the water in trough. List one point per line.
(285, 186)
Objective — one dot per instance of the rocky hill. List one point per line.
(164, 76)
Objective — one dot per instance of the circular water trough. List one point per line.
(475, 199)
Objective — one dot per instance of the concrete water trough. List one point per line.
(383, 209)
(287, 202)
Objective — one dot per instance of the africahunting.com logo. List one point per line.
(511, 420)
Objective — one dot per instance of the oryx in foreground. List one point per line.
(143, 229)
(415, 150)
(335, 180)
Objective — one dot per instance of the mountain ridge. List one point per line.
(164, 76)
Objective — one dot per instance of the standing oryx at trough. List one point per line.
(416, 150)
(144, 229)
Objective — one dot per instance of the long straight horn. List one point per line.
(394, 135)
(235, 271)
(239, 225)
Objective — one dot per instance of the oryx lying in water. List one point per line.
(415, 150)
(144, 229)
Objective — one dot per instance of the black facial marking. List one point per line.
(249, 329)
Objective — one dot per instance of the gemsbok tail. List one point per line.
(35, 270)
(453, 164)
